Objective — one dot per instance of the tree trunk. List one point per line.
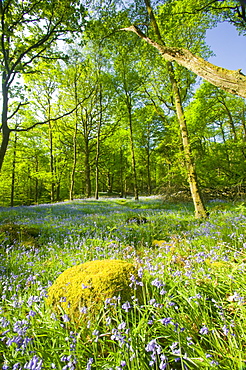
(148, 173)
(200, 210)
(230, 119)
(148, 153)
(52, 191)
(36, 179)
(87, 171)
(109, 183)
(135, 184)
(97, 169)
(4, 143)
(99, 124)
(72, 176)
(121, 174)
(13, 173)
(4, 125)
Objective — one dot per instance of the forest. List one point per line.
(122, 187)
(117, 98)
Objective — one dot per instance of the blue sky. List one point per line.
(229, 47)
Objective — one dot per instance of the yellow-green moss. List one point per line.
(19, 234)
(89, 285)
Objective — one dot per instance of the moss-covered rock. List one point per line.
(90, 284)
(12, 233)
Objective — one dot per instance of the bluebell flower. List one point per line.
(214, 363)
(163, 363)
(34, 364)
(96, 334)
(65, 318)
(4, 322)
(108, 321)
(166, 321)
(126, 306)
(204, 330)
(89, 363)
(122, 325)
(153, 346)
(117, 336)
(158, 283)
(16, 366)
(189, 341)
(31, 313)
(83, 309)
(173, 346)
(225, 330)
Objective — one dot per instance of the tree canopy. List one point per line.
(102, 98)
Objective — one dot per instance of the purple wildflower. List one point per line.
(89, 363)
(153, 346)
(214, 363)
(166, 321)
(65, 318)
(34, 364)
(126, 306)
(122, 325)
(225, 330)
(204, 330)
(158, 283)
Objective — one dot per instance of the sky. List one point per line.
(229, 47)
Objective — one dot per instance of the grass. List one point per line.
(192, 272)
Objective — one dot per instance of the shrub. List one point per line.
(88, 285)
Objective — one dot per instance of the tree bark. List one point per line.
(4, 143)
(4, 125)
(99, 124)
(52, 191)
(13, 173)
(87, 171)
(121, 174)
(200, 210)
(148, 153)
(36, 179)
(231, 81)
(72, 176)
(135, 184)
(230, 119)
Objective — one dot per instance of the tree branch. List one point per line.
(231, 81)
(16, 110)
(50, 119)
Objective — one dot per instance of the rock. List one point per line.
(88, 285)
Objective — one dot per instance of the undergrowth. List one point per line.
(192, 274)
